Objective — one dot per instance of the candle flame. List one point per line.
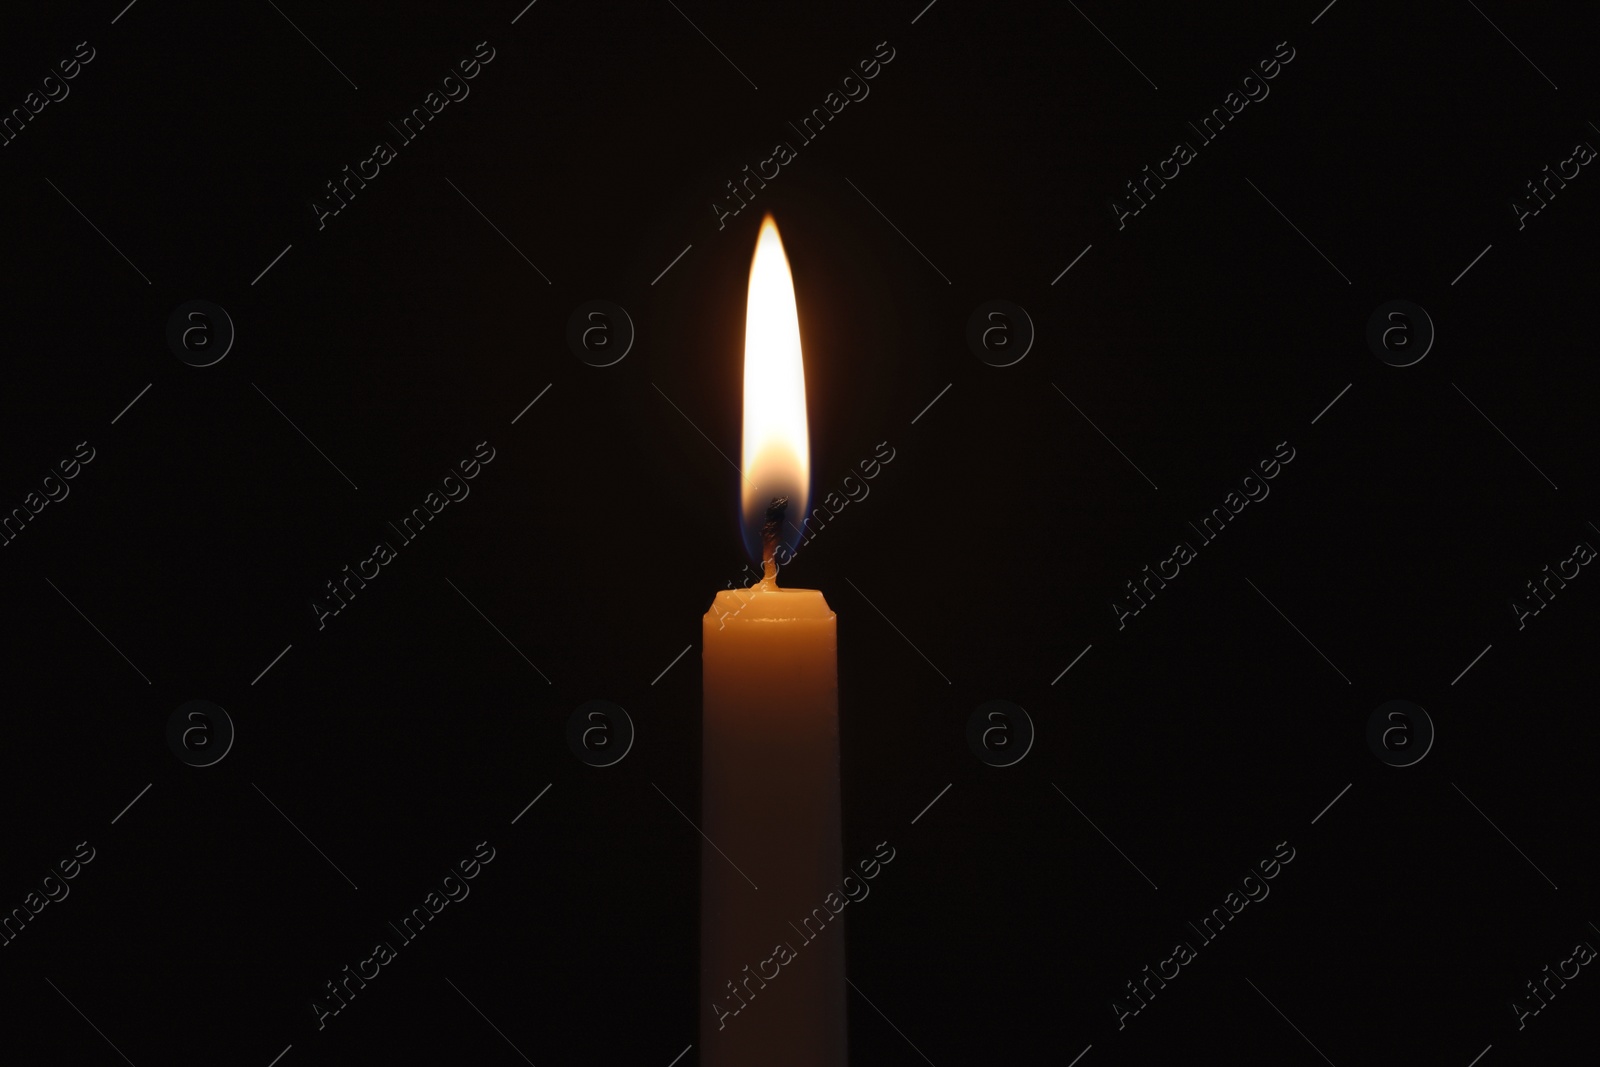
(777, 446)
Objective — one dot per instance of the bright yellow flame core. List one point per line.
(777, 446)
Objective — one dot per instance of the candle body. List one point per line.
(770, 805)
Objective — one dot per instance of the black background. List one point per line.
(1196, 338)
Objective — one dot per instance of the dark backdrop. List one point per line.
(373, 354)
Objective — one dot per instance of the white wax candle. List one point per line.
(772, 984)
(771, 951)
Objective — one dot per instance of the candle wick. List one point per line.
(769, 541)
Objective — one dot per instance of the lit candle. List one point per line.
(771, 970)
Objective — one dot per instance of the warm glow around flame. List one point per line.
(777, 447)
